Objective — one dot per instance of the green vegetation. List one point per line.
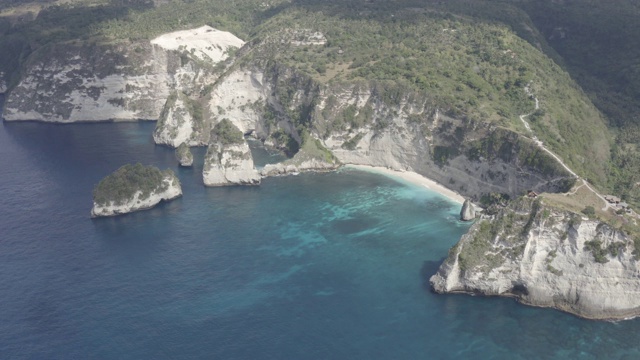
(183, 153)
(285, 142)
(599, 253)
(120, 186)
(473, 253)
(636, 247)
(471, 59)
(352, 143)
(226, 133)
(313, 149)
(590, 211)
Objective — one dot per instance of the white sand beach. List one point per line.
(412, 177)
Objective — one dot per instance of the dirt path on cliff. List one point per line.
(541, 145)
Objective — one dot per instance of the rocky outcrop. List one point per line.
(169, 189)
(180, 122)
(312, 157)
(468, 212)
(549, 258)
(3, 83)
(184, 155)
(291, 168)
(67, 83)
(229, 164)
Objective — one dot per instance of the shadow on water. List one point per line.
(429, 268)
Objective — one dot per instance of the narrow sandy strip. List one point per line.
(413, 178)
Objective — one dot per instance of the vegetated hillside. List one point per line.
(469, 69)
(468, 58)
(599, 41)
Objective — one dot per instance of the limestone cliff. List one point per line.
(228, 160)
(546, 257)
(169, 189)
(229, 164)
(359, 124)
(468, 212)
(123, 81)
(178, 122)
(176, 78)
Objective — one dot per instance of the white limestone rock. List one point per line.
(468, 212)
(68, 83)
(205, 42)
(184, 155)
(240, 97)
(544, 257)
(229, 164)
(176, 123)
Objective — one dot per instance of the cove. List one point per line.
(315, 266)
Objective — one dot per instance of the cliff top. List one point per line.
(205, 42)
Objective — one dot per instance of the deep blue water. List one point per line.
(324, 266)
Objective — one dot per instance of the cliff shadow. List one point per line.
(428, 269)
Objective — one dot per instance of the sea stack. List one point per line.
(184, 155)
(228, 160)
(468, 212)
(132, 188)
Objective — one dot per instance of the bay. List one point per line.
(315, 266)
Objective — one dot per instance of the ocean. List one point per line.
(314, 266)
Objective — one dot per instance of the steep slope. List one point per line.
(546, 257)
(89, 82)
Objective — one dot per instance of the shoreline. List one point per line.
(413, 178)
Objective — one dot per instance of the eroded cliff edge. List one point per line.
(546, 257)
(70, 82)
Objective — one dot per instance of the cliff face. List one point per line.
(229, 164)
(549, 258)
(67, 83)
(177, 124)
(359, 125)
(176, 78)
(169, 190)
(408, 133)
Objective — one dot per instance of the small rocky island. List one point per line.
(184, 155)
(132, 188)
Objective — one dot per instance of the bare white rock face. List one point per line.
(116, 82)
(205, 42)
(229, 164)
(136, 203)
(552, 264)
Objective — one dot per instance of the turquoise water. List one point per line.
(324, 266)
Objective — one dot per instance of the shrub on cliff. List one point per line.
(226, 133)
(590, 211)
(122, 184)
